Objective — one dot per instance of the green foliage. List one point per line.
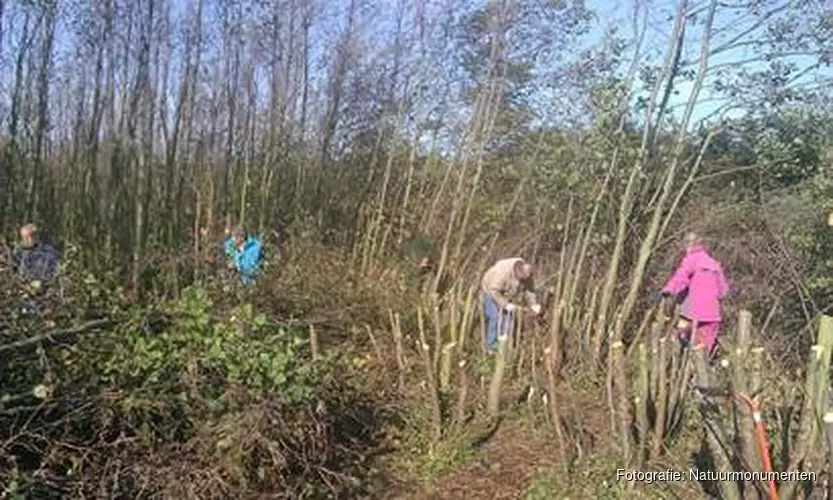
(542, 487)
(606, 102)
(778, 165)
(786, 148)
(214, 390)
(214, 384)
(431, 461)
(243, 350)
(14, 490)
(444, 458)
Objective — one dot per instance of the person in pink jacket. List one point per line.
(701, 284)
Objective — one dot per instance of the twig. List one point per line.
(51, 336)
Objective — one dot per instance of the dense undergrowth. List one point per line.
(215, 392)
(203, 395)
(137, 132)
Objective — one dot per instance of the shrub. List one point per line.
(184, 400)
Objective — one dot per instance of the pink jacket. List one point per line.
(703, 277)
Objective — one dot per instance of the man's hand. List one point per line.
(510, 308)
(536, 308)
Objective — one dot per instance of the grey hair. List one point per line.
(239, 232)
(692, 239)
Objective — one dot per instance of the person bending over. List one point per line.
(500, 286)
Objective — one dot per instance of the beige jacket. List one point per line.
(500, 283)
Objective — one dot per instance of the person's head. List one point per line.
(523, 271)
(28, 235)
(420, 251)
(239, 236)
(692, 240)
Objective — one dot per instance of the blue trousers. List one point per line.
(497, 320)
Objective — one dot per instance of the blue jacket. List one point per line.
(39, 262)
(246, 261)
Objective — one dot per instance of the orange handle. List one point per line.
(763, 444)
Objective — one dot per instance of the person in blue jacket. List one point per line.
(243, 254)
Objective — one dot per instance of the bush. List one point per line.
(181, 400)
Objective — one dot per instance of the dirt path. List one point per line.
(504, 469)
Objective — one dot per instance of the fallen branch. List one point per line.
(53, 336)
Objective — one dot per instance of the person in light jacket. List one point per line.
(700, 284)
(499, 288)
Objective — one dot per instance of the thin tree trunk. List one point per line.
(670, 67)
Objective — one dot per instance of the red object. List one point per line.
(763, 443)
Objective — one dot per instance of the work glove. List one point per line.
(35, 286)
(536, 308)
(510, 308)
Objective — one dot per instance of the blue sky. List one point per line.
(728, 24)
(610, 13)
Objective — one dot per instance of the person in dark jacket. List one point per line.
(421, 252)
(33, 260)
(35, 263)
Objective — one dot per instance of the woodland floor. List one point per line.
(521, 460)
(508, 460)
(504, 469)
